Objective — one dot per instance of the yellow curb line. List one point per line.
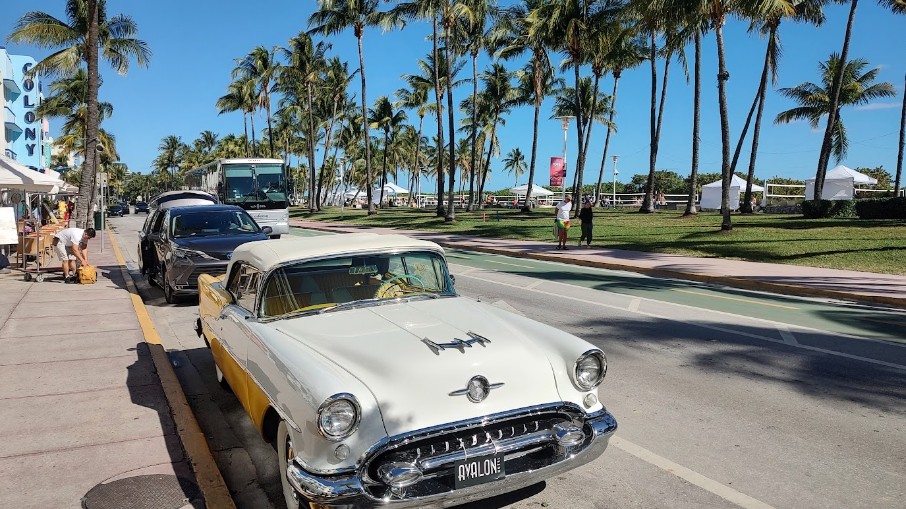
(210, 481)
(799, 291)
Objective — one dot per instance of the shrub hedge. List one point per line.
(882, 208)
(817, 209)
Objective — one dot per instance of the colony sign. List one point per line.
(31, 131)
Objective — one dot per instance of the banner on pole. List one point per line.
(558, 171)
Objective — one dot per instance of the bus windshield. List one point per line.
(253, 184)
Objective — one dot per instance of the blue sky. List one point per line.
(195, 44)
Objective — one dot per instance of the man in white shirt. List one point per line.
(70, 245)
(562, 221)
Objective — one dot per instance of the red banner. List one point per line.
(558, 171)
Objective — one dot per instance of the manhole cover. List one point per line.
(142, 492)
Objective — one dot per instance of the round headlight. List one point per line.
(338, 416)
(591, 368)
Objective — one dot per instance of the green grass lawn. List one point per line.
(855, 244)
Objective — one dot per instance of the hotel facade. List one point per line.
(25, 136)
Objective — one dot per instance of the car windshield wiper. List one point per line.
(351, 304)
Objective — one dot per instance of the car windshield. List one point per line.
(347, 281)
(224, 222)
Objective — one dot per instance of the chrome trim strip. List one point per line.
(459, 344)
(348, 492)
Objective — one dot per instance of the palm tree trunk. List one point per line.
(591, 123)
(89, 169)
(245, 128)
(580, 145)
(441, 212)
(384, 169)
(254, 143)
(270, 128)
(448, 42)
(896, 185)
(369, 180)
(536, 77)
(474, 128)
(613, 107)
(746, 205)
(416, 171)
(722, 77)
(834, 106)
(696, 121)
(315, 201)
(487, 163)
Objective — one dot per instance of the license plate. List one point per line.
(473, 471)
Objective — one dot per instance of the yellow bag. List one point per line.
(87, 275)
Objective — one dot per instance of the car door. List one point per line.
(147, 239)
(160, 242)
(235, 334)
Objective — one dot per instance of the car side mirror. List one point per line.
(267, 230)
(453, 278)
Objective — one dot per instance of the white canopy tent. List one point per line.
(28, 180)
(839, 184)
(536, 190)
(711, 193)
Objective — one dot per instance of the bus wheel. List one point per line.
(275, 236)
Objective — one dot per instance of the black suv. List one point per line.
(115, 210)
(141, 206)
(178, 244)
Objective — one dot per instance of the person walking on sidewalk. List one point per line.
(561, 224)
(585, 215)
(70, 245)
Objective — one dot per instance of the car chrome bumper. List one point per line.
(348, 491)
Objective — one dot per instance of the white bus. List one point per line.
(257, 185)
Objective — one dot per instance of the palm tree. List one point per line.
(512, 36)
(474, 15)
(768, 23)
(383, 117)
(514, 163)
(241, 96)
(260, 67)
(896, 184)
(172, 151)
(497, 98)
(331, 18)
(306, 61)
(857, 87)
(335, 81)
(86, 33)
(626, 51)
(415, 97)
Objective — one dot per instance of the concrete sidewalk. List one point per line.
(82, 411)
(771, 277)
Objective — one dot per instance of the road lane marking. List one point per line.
(748, 301)
(706, 483)
(512, 264)
(714, 327)
(787, 336)
(634, 304)
(536, 284)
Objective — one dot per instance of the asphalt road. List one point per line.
(724, 398)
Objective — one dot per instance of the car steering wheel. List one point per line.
(393, 287)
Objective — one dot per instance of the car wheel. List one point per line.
(285, 453)
(169, 294)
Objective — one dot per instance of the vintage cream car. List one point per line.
(379, 385)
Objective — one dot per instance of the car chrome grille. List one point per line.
(527, 444)
(214, 270)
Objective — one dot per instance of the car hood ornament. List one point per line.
(459, 344)
(477, 389)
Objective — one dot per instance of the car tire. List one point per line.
(169, 293)
(275, 237)
(285, 451)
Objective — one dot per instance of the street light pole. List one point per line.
(615, 173)
(565, 121)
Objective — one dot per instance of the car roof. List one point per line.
(202, 209)
(182, 198)
(271, 253)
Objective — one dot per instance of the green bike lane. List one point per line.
(846, 318)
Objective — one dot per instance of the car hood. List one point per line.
(383, 347)
(218, 246)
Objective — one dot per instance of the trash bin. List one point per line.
(97, 221)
